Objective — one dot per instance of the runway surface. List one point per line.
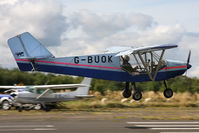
(99, 126)
(133, 120)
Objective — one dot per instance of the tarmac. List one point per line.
(134, 120)
(99, 126)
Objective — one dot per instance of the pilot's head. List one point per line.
(126, 58)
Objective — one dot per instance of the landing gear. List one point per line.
(137, 95)
(19, 108)
(168, 93)
(126, 92)
(45, 107)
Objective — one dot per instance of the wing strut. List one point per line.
(147, 70)
(43, 94)
(159, 63)
(152, 75)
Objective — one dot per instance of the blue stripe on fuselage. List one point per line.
(99, 74)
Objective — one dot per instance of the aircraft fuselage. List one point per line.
(102, 66)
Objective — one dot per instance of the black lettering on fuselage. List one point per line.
(97, 59)
(109, 59)
(76, 60)
(103, 59)
(94, 59)
(90, 59)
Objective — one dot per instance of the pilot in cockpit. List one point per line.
(126, 66)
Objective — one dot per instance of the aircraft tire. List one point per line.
(47, 109)
(20, 109)
(126, 93)
(168, 93)
(6, 105)
(137, 95)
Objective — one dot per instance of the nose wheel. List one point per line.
(168, 92)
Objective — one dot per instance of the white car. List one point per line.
(6, 101)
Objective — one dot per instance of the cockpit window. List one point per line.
(40, 91)
(141, 63)
(29, 89)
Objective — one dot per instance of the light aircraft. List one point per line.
(43, 96)
(125, 64)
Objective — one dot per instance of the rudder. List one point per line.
(25, 49)
(84, 90)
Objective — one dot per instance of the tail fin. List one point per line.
(25, 47)
(83, 91)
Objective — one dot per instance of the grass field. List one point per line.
(153, 106)
(114, 99)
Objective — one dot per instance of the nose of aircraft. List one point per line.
(189, 66)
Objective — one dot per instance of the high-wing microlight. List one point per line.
(125, 64)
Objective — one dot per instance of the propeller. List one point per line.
(188, 60)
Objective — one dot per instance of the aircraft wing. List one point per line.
(60, 86)
(12, 87)
(145, 49)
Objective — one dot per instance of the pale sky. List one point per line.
(80, 27)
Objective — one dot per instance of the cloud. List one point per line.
(10, 2)
(194, 72)
(98, 26)
(42, 18)
(162, 34)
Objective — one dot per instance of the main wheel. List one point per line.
(126, 93)
(20, 109)
(6, 105)
(168, 93)
(47, 109)
(137, 95)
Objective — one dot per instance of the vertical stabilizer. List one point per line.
(84, 90)
(25, 47)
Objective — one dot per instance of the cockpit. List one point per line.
(143, 62)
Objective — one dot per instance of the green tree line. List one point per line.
(14, 76)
